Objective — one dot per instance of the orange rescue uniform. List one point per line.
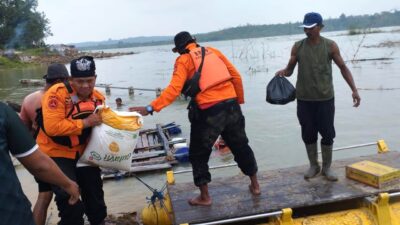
(184, 69)
(56, 104)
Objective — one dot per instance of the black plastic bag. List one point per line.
(280, 91)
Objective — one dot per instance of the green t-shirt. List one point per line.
(314, 78)
(15, 138)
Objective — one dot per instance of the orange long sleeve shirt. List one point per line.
(56, 103)
(184, 69)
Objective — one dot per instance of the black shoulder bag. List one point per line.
(192, 87)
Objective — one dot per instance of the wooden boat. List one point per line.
(286, 199)
(154, 151)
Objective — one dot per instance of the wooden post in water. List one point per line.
(158, 92)
(108, 90)
(131, 91)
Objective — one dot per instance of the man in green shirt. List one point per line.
(15, 208)
(315, 93)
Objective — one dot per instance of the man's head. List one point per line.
(181, 40)
(56, 72)
(312, 24)
(118, 101)
(83, 75)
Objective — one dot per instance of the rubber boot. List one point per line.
(312, 153)
(326, 163)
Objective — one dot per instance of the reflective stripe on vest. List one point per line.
(214, 69)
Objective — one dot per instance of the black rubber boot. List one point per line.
(326, 163)
(312, 153)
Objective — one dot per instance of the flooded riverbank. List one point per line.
(273, 131)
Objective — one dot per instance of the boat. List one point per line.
(286, 198)
(156, 149)
(221, 150)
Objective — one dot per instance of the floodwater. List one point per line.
(273, 130)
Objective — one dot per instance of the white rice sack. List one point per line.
(111, 148)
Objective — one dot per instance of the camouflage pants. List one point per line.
(225, 119)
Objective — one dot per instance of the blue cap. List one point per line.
(311, 20)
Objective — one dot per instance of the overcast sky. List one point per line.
(97, 20)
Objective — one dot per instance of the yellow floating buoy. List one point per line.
(159, 213)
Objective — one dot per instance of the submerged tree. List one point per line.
(21, 25)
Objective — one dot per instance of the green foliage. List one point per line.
(21, 26)
(36, 51)
(357, 24)
(6, 63)
(356, 31)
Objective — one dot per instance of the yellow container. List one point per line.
(373, 174)
(159, 213)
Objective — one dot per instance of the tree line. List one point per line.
(21, 25)
(383, 19)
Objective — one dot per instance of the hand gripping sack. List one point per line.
(112, 143)
(280, 91)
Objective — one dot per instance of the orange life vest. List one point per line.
(214, 70)
(77, 110)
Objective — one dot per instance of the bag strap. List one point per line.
(203, 53)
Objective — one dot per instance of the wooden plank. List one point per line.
(160, 145)
(145, 155)
(150, 139)
(163, 139)
(139, 142)
(160, 166)
(282, 188)
(156, 139)
(151, 161)
(145, 142)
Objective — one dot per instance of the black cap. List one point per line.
(83, 67)
(181, 39)
(56, 71)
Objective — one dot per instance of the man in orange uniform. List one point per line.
(216, 111)
(67, 121)
(56, 73)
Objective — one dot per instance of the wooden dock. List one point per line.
(282, 188)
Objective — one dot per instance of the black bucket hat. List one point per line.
(181, 39)
(56, 71)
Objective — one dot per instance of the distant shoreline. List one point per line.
(24, 59)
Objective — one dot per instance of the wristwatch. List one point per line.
(149, 109)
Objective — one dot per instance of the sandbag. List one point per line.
(112, 143)
(280, 91)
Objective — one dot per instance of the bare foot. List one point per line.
(200, 201)
(254, 191)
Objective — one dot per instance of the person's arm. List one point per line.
(170, 93)
(44, 168)
(288, 70)
(23, 147)
(24, 115)
(344, 70)
(55, 123)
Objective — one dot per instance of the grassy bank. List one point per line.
(36, 56)
(6, 63)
